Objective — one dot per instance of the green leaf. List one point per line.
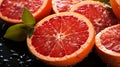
(16, 32)
(28, 18)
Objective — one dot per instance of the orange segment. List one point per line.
(62, 39)
(11, 10)
(108, 45)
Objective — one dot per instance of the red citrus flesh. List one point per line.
(100, 15)
(62, 39)
(11, 10)
(57, 36)
(63, 5)
(108, 45)
(111, 39)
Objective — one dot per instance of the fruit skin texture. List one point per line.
(108, 56)
(43, 11)
(116, 7)
(71, 59)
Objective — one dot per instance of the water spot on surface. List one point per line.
(1, 45)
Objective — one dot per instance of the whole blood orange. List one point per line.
(108, 45)
(116, 7)
(100, 15)
(11, 10)
(62, 39)
(63, 5)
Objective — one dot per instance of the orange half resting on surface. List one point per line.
(11, 10)
(63, 5)
(108, 45)
(62, 39)
(98, 13)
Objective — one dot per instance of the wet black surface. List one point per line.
(16, 54)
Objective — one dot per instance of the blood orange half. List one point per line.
(63, 5)
(11, 10)
(62, 39)
(100, 15)
(108, 45)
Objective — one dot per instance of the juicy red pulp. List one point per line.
(13, 8)
(65, 5)
(100, 16)
(111, 39)
(60, 36)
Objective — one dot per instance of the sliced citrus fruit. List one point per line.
(100, 15)
(116, 7)
(62, 39)
(108, 45)
(11, 10)
(63, 5)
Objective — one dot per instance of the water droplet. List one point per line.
(2, 39)
(5, 60)
(3, 26)
(1, 45)
(21, 62)
(1, 50)
(29, 60)
(1, 56)
(11, 58)
(18, 59)
(15, 54)
(8, 65)
(12, 51)
(26, 65)
(21, 57)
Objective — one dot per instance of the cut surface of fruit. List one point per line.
(63, 5)
(100, 15)
(62, 39)
(108, 45)
(11, 10)
(116, 7)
